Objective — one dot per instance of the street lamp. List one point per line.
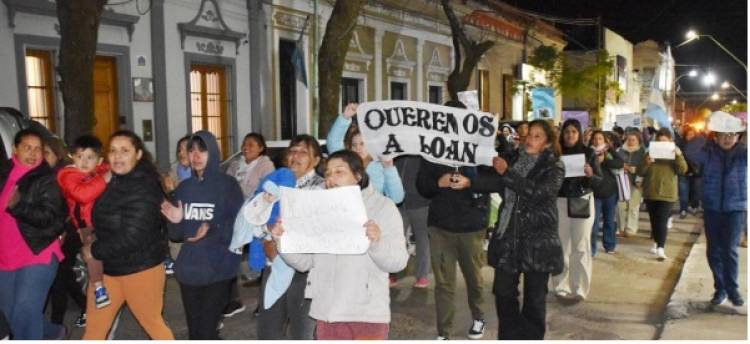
(692, 73)
(691, 35)
(727, 84)
(709, 79)
(715, 96)
(734, 101)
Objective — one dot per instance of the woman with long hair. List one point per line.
(525, 241)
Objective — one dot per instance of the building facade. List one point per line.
(166, 68)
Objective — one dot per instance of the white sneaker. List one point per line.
(653, 249)
(660, 254)
(669, 223)
(477, 330)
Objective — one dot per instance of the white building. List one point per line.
(165, 68)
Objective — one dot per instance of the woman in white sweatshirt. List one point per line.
(350, 293)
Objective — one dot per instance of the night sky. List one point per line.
(665, 21)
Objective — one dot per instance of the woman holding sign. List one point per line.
(291, 306)
(575, 205)
(350, 294)
(660, 188)
(525, 240)
(383, 175)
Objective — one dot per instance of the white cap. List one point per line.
(723, 122)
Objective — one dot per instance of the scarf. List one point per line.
(522, 166)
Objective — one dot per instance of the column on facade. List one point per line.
(379, 32)
(420, 70)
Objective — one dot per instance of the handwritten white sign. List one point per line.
(628, 120)
(323, 221)
(574, 164)
(661, 150)
(440, 134)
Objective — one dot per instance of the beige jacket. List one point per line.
(355, 287)
(249, 183)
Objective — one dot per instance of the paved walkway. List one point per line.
(629, 294)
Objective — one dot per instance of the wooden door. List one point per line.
(105, 97)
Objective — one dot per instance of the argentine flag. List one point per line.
(656, 108)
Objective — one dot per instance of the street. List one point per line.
(629, 293)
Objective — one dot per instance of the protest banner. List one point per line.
(443, 135)
(581, 116)
(628, 120)
(323, 221)
(543, 103)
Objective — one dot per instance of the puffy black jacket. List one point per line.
(41, 210)
(607, 186)
(129, 229)
(457, 211)
(531, 242)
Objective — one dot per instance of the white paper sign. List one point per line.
(470, 99)
(574, 164)
(628, 120)
(323, 221)
(661, 150)
(441, 134)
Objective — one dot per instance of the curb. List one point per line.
(679, 304)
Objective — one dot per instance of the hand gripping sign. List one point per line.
(441, 134)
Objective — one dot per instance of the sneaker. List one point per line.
(477, 330)
(719, 298)
(234, 307)
(612, 251)
(392, 282)
(683, 214)
(693, 211)
(101, 298)
(669, 223)
(562, 294)
(81, 320)
(169, 266)
(660, 254)
(654, 249)
(220, 326)
(736, 299)
(422, 283)
(442, 337)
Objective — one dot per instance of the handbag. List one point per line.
(623, 185)
(579, 208)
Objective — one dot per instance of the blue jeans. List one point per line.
(689, 191)
(23, 293)
(723, 233)
(605, 208)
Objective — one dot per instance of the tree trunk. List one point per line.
(79, 25)
(331, 57)
(460, 76)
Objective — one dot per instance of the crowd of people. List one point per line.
(132, 225)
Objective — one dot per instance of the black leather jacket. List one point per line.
(129, 228)
(41, 210)
(531, 242)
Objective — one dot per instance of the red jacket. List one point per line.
(81, 189)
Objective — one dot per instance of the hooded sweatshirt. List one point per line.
(214, 198)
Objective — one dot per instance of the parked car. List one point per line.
(11, 122)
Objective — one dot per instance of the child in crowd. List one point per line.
(81, 184)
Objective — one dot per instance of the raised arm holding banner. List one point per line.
(441, 134)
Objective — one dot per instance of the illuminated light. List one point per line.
(725, 84)
(691, 35)
(709, 79)
(693, 73)
(715, 96)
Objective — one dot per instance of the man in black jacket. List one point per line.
(32, 217)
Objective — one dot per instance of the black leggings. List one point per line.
(516, 323)
(203, 307)
(659, 213)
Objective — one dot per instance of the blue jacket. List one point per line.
(386, 180)
(216, 198)
(724, 177)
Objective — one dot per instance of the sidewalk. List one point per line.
(690, 315)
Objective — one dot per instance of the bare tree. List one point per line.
(79, 26)
(460, 77)
(331, 57)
